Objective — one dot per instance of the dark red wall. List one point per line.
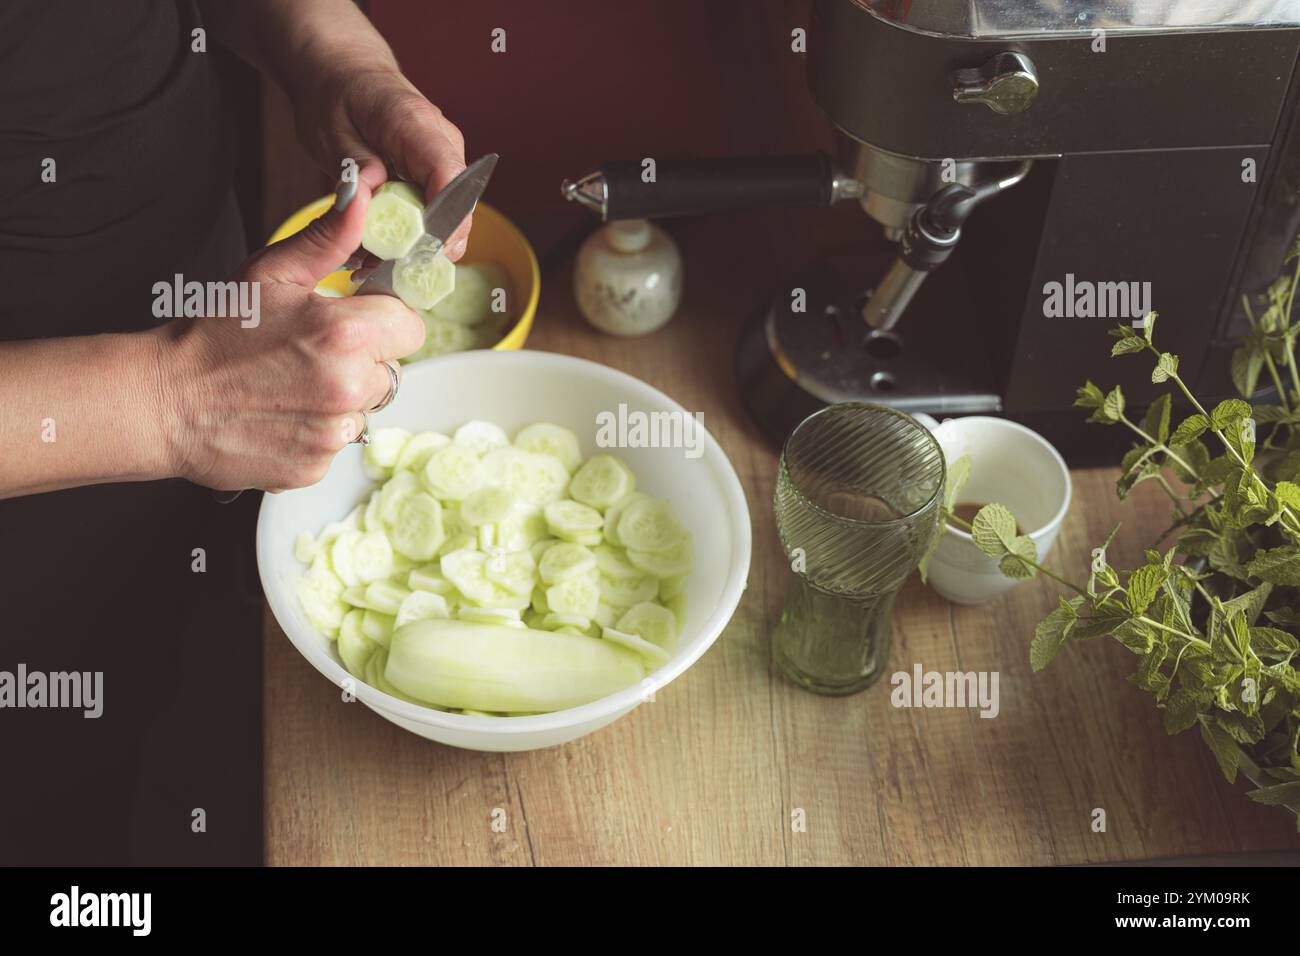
(584, 81)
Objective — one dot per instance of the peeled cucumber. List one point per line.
(499, 668)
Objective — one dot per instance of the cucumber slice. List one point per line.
(429, 578)
(602, 481)
(516, 571)
(452, 473)
(480, 437)
(539, 604)
(341, 554)
(677, 604)
(320, 593)
(605, 615)
(393, 495)
(625, 592)
(613, 562)
(458, 542)
(588, 539)
(470, 302)
(378, 626)
(570, 519)
(304, 547)
(354, 647)
(466, 570)
(564, 561)
(576, 595)
(539, 548)
(371, 520)
(355, 596)
(415, 453)
(487, 506)
(653, 654)
(385, 445)
(506, 616)
(672, 562)
(441, 338)
(394, 221)
(520, 532)
(615, 511)
(649, 525)
(419, 606)
(486, 537)
(653, 622)
(385, 596)
(424, 276)
(372, 556)
(544, 438)
(418, 533)
(492, 668)
(554, 620)
(535, 479)
(670, 587)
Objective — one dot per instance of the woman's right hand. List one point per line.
(269, 405)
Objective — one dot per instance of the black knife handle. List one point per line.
(686, 187)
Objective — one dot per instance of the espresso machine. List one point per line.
(1047, 169)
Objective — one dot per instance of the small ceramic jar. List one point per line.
(628, 278)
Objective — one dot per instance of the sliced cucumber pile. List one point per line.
(498, 576)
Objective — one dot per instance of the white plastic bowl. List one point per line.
(514, 389)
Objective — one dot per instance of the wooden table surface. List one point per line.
(714, 770)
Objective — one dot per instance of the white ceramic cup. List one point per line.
(1013, 466)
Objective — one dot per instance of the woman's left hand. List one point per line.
(376, 117)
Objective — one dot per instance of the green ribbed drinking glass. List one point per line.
(858, 495)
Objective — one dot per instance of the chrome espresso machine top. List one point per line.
(1045, 170)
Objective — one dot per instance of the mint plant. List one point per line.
(1214, 617)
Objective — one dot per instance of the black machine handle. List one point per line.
(684, 187)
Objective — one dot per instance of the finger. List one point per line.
(391, 329)
(309, 255)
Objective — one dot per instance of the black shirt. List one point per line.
(102, 578)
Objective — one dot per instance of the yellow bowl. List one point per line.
(494, 238)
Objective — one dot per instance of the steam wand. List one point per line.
(931, 235)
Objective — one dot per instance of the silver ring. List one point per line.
(364, 437)
(394, 382)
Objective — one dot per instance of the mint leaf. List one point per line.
(1182, 709)
(1275, 643)
(1050, 635)
(958, 475)
(1136, 636)
(1012, 566)
(1224, 748)
(1277, 794)
(993, 529)
(1247, 363)
(1166, 366)
(1143, 584)
(1191, 428)
(1127, 346)
(1278, 565)
(1228, 411)
(1156, 421)
(1088, 396)
(1113, 406)
(1288, 493)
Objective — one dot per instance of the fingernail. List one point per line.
(457, 248)
(343, 194)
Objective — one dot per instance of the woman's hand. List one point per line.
(370, 113)
(269, 405)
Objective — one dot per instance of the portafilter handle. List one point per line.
(659, 189)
